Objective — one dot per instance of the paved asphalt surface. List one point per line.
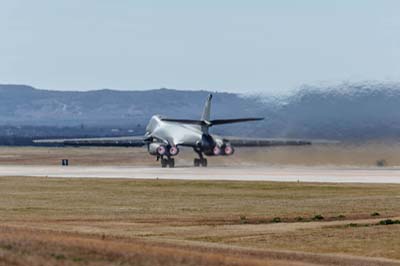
(244, 173)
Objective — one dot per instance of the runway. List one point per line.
(239, 173)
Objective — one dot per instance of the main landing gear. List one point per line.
(200, 161)
(167, 162)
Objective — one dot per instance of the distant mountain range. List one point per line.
(348, 111)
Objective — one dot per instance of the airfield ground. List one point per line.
(166, 222)
(89, 221)
(314, 155)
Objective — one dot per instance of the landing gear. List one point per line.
(171, 163)
(168, 162)
(164, 163)
(200, 161)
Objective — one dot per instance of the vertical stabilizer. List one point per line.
(207, 109)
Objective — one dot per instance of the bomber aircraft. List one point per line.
(164, 136)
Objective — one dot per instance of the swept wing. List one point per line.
(264, 142)
(129, 141)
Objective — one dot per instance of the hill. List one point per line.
(347, 111)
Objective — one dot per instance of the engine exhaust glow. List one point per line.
(216, 150)
(161, 150)
(173, 150)
(228, 150)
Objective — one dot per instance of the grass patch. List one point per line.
(382, 222)
(243, 219)
(58, 256)
(388, 222)
(299, 219)
(277, 220)
(318, 217)
(6, 247)
(357, 225)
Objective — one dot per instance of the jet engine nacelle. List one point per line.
(162, 149)
(224, 150)
(157, 149)
(210, 147)
(228, 150)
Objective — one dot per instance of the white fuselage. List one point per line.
(174, 133)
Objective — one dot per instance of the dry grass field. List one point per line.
(61, 221)
(54, 221)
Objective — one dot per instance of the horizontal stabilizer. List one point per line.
(231, 121)
(212, 122)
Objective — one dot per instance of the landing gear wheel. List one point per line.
(200, 162)
(171, 163)
(164, 163)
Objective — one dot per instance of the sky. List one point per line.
(237, 46)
